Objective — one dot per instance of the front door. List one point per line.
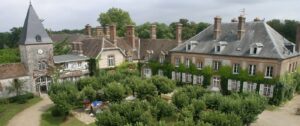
(42, 84)
(216, 82)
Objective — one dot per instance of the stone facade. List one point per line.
(116, 57)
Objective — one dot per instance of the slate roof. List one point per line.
(67, 37)
(32, 27)
(125, 45)
(93, 46)
(68, 58)
(157, 45)
(255, 32)
(12, 70)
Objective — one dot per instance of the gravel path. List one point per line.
(32, 115)
(282, 116)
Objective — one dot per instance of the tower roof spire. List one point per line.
(33, 30)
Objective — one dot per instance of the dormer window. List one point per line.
(255, 48)
(38, 38)
(290, 48)
(191, 45)
(220, 46)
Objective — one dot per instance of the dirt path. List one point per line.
(32, 115)
(282, 116)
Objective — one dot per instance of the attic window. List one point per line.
(255, 48)
(190, 45)
(38, 38)
(220, 46)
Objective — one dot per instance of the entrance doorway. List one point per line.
(42, 84)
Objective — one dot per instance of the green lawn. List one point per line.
(49, 120)
(7, 111)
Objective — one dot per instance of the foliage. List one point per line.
(17, 87)
(189, 28)
(163, 84)
(114, 92)
(10, 39)
(180, 99)
(220, 119)
(61, 48)
(89, 81)
(286, 28)
(118, 16)
(9, 55)
(146, 90)
(161, 108)
(64, 96)
(88, 93)
(132, 82)
(107, 118)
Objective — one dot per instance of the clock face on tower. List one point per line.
(40, 51)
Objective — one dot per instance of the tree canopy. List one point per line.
(118, 16)
(287, 28)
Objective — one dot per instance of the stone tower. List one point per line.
(36, 50)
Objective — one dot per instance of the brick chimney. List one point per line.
(106, 31)
(179, 33)
(130, 35)
(241, 27)
(77, 48)
(298, 39)
(113, 33)
(99, 31)
(217, 27)
(153, 31)
(88, 30)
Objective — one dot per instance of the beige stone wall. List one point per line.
(244, 62)
(285, 64)
(5, 83)
(103, 58)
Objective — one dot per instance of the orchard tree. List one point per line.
(146, 90)
(118, 16)
(88, 93)
(132, 83)
(180, 99)
(114, 92)
(161, 108)
(163, 84)
(88, 81)
(107, 118)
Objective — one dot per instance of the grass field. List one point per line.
(49, 120)
(7, 111)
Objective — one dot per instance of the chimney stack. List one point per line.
(153, 32)
(88, 30)
(130, 35)
(217, 27)
(113, 33)
(99, 31)
(77, 48)
(256, 19)
(178, 33)
(106, 31)
(241, 27)
(298, 39)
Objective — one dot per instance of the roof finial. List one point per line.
(29, 2)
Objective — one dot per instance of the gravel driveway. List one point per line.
(282, 116)
(32, 115)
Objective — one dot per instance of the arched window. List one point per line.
(42, 65)
(38, 38)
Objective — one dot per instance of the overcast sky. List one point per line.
(74, 14)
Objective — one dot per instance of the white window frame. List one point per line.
(216, 82)
(189, 78)
(160, 72)
(236, 68)
(216, 65)
(252, 69)
(147, 72)
(161, 59)
(111, 60)
(177, 62)
(187, 62)
(269, 72)
(199, 65)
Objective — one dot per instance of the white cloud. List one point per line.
(71, 14)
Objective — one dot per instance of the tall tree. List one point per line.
(189, 28)
(118, 16)
(17, 87)
(286, 28)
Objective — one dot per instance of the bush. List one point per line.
(21, 98)
(107, 118)
(217, 118)
(56, 112)
(163, 84)
(114, 92)
(88, 93)
(146, 90)
(212, 100)
(180, 99)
